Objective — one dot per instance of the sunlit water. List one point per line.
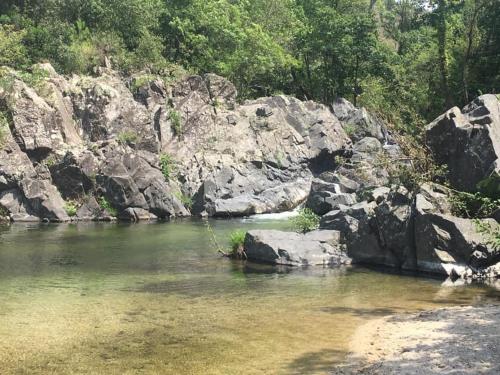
(157, 299)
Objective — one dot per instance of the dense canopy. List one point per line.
(406, 59)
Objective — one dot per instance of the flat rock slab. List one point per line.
(317, 248)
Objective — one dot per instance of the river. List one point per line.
(156, 298)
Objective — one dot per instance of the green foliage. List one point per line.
(176, 121)
(50, 161)
(306, 221)
(12, 52)
(140, 81)
(350, 129)
(106, 205)
(4, 129)
(71, 208)
(186, 200)
(167, 166)
(470, 205)
(402, 59)
(236, 241)
(490, 186)
(491, 231)
(127, 137)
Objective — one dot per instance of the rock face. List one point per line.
(412, 233)
(293, 249)
(468, 141)
(144, 149)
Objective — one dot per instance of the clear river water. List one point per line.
(157, 299)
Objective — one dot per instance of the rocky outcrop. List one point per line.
(293, 249)
(468, 142)
(398, 229)
(144, 149)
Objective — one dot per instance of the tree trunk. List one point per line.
(443, 58)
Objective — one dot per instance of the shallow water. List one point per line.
(157, 299)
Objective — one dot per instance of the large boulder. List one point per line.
(468, 142)
(447, 244)
(130, 179)
(294, 249)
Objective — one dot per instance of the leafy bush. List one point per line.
(12, 52)
(71, 208)
(491, 231)
(167, 166)
(127, 137)
(140, 81)
(176, 120)
(490, 186)
(470, 205)
(306, 221)
(106, 205)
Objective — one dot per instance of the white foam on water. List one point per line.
(274, 216)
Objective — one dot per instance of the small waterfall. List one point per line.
(274, 216)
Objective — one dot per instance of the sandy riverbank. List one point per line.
(463, 340)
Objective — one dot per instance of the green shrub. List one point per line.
(306, 221)
(491, 231)
(167, 166)
(471, 205)
(106, 205)
(127, 137)
(140, 81)
(176, 121)
(13, 53)
(71, 208)
(236, 240)
(490, 186)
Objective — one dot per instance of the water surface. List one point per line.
(157, 299)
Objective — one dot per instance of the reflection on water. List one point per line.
(156, 298)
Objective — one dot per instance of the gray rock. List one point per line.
(358, 120)
(468, 141)
(322, 202)
(319, 248)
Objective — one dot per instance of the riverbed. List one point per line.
(156, 298)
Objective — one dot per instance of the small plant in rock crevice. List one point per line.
(186, 200)
(106, 205)
(71, 208)
(350, 129)
(127, 137)
(306, 221)
(167, 166)
(176, 121)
